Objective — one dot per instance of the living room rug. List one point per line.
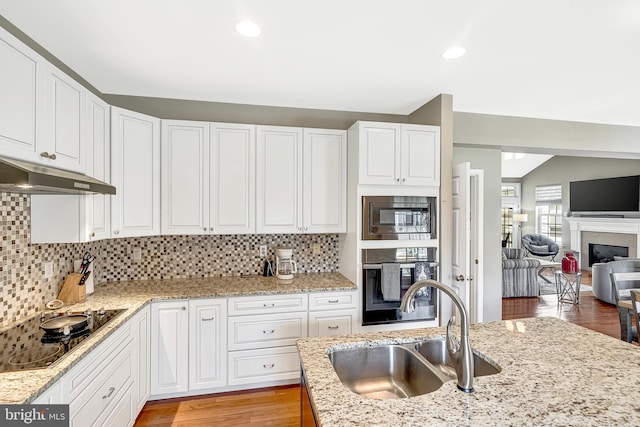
(550, 288)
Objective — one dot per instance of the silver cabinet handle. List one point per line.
(269, 305)
(268, 332)
(111, 390)
(269, 366)
(333, 301)
(333, 327)
(208, 320)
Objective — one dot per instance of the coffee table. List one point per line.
(544, 264)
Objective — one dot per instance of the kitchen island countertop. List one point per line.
(553, 373)
(24, 386)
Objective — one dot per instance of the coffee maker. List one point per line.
(285, 266)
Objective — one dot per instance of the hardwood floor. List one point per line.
(280, 406)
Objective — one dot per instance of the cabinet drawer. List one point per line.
(273, 330)
(333, 300)
(85, 372)
(101, 393)
(268, 304)
(255, 366)
(331, 323)
(122, 413)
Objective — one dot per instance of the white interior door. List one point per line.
(467, 238)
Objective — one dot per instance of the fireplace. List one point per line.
(605, 253)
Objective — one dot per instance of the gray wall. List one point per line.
(562, 170)
(487, 159)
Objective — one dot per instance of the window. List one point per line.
(549, 211)
(510, 192)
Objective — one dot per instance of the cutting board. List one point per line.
(71, 291)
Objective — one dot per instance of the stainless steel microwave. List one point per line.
(399, 218)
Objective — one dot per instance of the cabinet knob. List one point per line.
(397, 179)
(184, 308)
(93, 234)
(47, 155)
(116, 231)
(306, 228)
(404, 179)
(205, 228)
(211, 229)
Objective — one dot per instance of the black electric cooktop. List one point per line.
(27, 346)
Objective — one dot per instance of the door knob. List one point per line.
(460, 277)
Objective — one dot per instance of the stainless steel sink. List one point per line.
(435, 351)
(398, 371)
(385, 371)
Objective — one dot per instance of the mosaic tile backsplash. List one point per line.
(24, 290)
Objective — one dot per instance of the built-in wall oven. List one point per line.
(399, 218)
(386, 276)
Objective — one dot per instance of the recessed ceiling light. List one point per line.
(248, 29)
(454, 52)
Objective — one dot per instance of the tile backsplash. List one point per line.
(24, 289)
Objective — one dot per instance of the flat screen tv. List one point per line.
(621, 194)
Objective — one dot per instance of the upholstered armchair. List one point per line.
(540, 245)
(519, 274)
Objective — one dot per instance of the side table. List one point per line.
(568, 287)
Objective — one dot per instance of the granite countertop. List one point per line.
(553, 373)
(24, 386)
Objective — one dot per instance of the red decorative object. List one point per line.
(569, 263)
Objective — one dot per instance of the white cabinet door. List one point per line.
(279, 178)
(325, 181)
(52, 395)
(420, 155)
(207, 343)
(98, 165)
(65, 113)
(169, 347)
(185, 189)
(22, 99)
(379, 153)
(135, 172)
(141, 330)
(232, 178)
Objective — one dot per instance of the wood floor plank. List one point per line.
(280, 406)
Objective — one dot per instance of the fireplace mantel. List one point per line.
(578, 225)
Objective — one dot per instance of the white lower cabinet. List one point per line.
(207, 343)
(189, 345)
(141, 331)
(169, 347)
(262, 334)
(50, 396)
(332, 313)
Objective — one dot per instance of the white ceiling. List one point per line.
(517, 165)
(568, 60)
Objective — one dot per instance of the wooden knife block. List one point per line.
(71, 291)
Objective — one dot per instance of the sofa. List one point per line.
(519, 274)
(601, 277)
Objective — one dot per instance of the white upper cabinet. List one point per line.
(301, 180)
(65, 113)
(98, 165)
(232, 175)
(397, 154)
(135, 172)
(324, 181)
(208, 178)
(22, 99)
(279, 179)
(185, 167)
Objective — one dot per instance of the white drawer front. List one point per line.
(123, 412)
(274, 330)
(85, 372)
(255, 366)
(323, 324)
(333, 300)
(102, 392)
(268, 304)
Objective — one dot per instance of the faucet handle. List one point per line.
(452, 345)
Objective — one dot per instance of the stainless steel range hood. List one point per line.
(18, 176)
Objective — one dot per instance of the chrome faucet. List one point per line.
(461, 353)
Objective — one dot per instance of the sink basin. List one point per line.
(396, 371)
(435, 351)
(385, 371)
